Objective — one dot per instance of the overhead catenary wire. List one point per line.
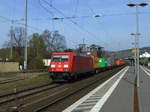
(17, 22)
(73, 42)
(13, 11)
(106, 44)
(76, 8)
(75, 23)
(73, 17)
(64, 18)
(86, 16)
(29, 26)
(92, 16)
(92, 11)
(50, 12)
(3, 21)
(4, 18)
(59, 12)
(123, 14)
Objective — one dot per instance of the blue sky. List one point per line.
(111, 32)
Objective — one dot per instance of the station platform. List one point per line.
(116, 94)
(144, 91)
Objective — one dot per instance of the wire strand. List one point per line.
(50, 12)
(75, 23)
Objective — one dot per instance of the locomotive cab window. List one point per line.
(60, 58)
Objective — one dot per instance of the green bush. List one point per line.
(36, 63)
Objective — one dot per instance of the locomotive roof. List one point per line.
(69, 53)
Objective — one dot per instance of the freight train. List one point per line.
(70, 65)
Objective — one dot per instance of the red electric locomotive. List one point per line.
(68, 65)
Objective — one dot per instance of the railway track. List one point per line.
(70, 92)
(10, 80)
(10, 97)
(43, 99)
(23, 90)
(63, 97)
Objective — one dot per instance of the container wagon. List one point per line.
(119, 62)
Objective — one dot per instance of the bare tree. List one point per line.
(17, 40)
(59, 41)
(54, 41)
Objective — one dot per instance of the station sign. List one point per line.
(134, 50)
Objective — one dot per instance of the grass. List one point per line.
(24, 71)
(29, 82)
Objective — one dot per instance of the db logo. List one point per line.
(59, 65)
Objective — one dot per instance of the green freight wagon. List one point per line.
(102, 62)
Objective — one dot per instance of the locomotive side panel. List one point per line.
(82, 64)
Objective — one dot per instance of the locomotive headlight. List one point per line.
(52, 65)
(65, 66)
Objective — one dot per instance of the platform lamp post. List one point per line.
(135, 54)
(135, 51)
(142, 4)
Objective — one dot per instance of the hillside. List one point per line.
(127, 53)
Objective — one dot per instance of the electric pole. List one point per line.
(11, 39)
(26, 36)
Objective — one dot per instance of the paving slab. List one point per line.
(121, 100)
(144, 91)
(102, 93)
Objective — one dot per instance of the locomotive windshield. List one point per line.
(60, 58)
